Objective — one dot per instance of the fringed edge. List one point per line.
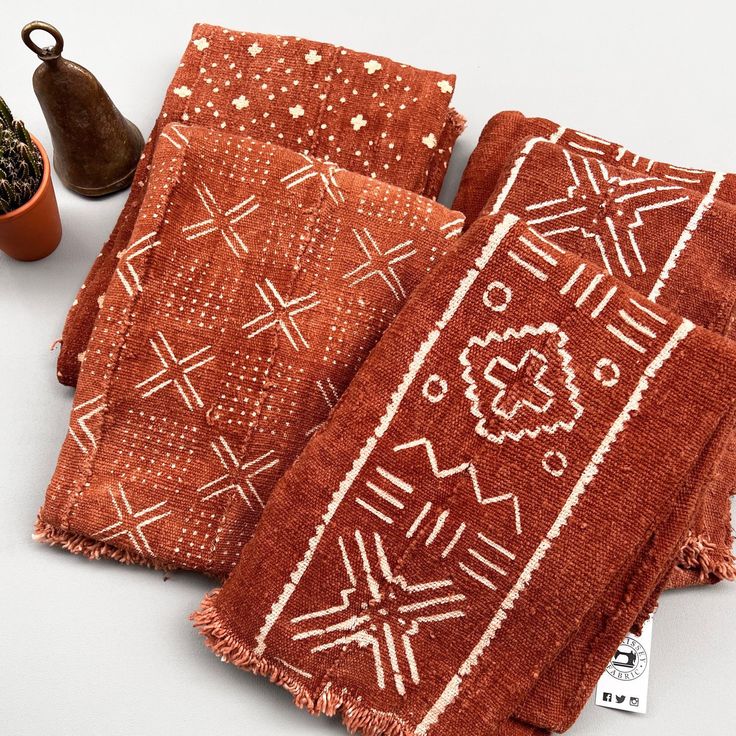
(706, 558)
(80, 544)
(355, 715)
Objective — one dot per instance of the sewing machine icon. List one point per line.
(627, 661)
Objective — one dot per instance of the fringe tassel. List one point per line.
(79, 544)
(707, 559)
(355, 715)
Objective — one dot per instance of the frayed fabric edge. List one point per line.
(708, 560)
(80, 544)
(355, 715)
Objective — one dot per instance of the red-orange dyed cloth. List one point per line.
(362, 112)
(507, 130)
(666, 230)
(255, 283)
(504, 470)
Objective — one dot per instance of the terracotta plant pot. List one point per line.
(33, 230)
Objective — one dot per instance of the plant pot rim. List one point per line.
(31, 203)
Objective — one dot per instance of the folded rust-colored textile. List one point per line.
(668, 236)
(364, 113)
(507, 130)
(255, 282)
(504, 471)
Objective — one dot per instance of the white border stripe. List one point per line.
(591, 470)
(514, 173)
(687, 233)
(496, 237)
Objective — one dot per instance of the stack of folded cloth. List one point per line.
(665, 230)
(441, 475)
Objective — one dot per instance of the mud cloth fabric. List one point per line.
(465, 517)
(664, 229)
(505, 131)
(362, 112)
(255, 282)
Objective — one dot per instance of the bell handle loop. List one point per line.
(48, 53)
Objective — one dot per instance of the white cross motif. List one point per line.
(606, 208)
(380, 612)
(130, 523)
(380, 263)
(326, 172)
(358, 122)
(221, 221)
(175, 371)
(281, 314)
(80, 416)
(126, 272)
(237, 474)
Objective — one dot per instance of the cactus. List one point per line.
(21, 166)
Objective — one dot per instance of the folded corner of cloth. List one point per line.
(254, 283)
(492, 504)
(361, 112)
(663, 229)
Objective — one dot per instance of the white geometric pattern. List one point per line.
(380, 263)
(222, 221)
(604, 207)
(523, 387)
(325, 171)
(379, 611)
(237, 474)
(467, 468)
(88, 409)
(130, 523)
(126, 272)
(175, 371)
(281, 314)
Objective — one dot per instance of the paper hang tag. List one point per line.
(624, 684)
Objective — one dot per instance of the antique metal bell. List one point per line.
(96, 149)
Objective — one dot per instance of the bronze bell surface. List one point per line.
(96, 149)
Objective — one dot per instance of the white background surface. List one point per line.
(98, 648)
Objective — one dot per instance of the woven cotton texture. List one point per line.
(256, 281)
(506, 131)
(365, 113)
(663, 229)
(501, 463)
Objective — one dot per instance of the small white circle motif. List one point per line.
(434, 389)
(554, 463)
(491, 296)
(606, 372)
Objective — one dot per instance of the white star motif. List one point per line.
(241, 102)
(221, 221)
(175, 371)
(379, 611)
(130, 524)
(358, 122)
(237, 474)
(296, 112)
(201, 43)
(281, 314)
(380, 263)
(444, 86)
(605, 207)
(372, 66)
(182, 91)
(254, 49)
(312, 57)
(430, 140)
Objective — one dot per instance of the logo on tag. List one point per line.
(630, 660)
(623, 686)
